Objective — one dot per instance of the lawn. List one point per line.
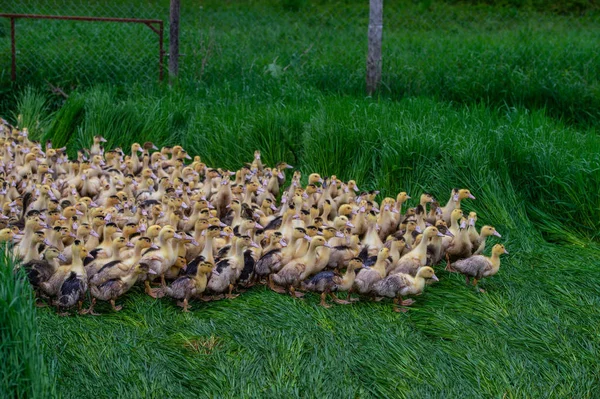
(529, 151)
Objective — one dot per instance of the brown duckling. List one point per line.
(398, 285)
(328, 282)
(479, 266)
(189, 286)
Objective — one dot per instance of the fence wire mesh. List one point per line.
(312, 40)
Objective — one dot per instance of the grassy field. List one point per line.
(467, 103)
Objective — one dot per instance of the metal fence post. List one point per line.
(374, 52)
(13, 51)
(174, 40)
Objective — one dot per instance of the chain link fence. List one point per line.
(472, 52)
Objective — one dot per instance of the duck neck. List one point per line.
(207, 252)
(347, 280)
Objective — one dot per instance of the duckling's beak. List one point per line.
(72, 235)
(394, 210)
(339, 235)
(289, 167)
(221, 224)
(497, 234)
(62, 258)
(273, 207)
(449, 234)
(258, 226)
(184, 205)
(46, 242)
(194, 242)
(440, 234)
(255, 245)
(129, 245)
(434, 278)
(177, 236)
(102, 140)
(94, 234)
(150, 271)
(154, 246)
(418, 229)
(307, 237)
(463, 224)
(506, 252)
(471, 196)
(471, 222)
(326, 245)
(349, 225)
(283, 242)
(93, 204)
(154, 147)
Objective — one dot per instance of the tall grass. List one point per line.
(523, 164)
(23, 369)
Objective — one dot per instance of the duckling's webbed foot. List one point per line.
(277, 289)
(115, 308)
(229, 294)
(90, 310)
(467, 280)
(323, 301)
(407, 302)
(295, 293)
(397, 308)
(339, 301)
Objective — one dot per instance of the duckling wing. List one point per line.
(109, 271)
(320, 281)
(108, 290)
(38, 271)
(268, 263)
(71, 290)
(365, 279)
(392, 285)
(473, 266)
(181, 287)
(248, 269)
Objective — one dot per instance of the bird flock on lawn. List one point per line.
(95, 226)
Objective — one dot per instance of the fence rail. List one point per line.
(156, 25)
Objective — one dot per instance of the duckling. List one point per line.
(270, 261)
(399, 284)
(328, 282)
(114, 288)
(479, 266)
(160, 260)
(290, 275)
(40, 271)
(103, 262)
(189, 286)
(479, 244)
(227, 271)
(120, 267)
(74, 286)
(367, 276)
(456, 197)
(412, 261)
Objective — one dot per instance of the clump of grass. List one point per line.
(32, 112)
(23, 369)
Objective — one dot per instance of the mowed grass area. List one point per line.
(514, 121)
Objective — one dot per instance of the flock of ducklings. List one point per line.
(106, 221)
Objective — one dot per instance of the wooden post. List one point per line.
(174, 40)
(375, 38)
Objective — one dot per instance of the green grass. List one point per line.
(534, 334)
(499, 100)
(23, 368)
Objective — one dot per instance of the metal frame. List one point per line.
(156, 25)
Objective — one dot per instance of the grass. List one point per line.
(502, 102)
(23, 368)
